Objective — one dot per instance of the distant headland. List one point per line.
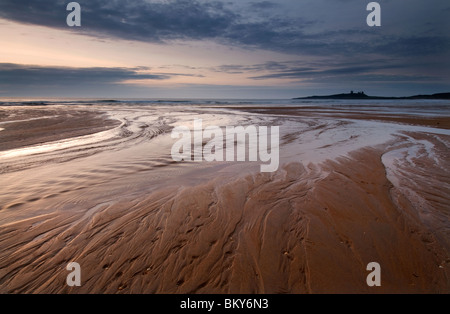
(362, 95)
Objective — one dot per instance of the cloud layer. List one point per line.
(39, 75)
(19, 78)
(262, 25)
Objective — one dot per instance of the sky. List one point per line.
(223, 49)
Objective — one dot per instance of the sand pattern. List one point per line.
(310, 227)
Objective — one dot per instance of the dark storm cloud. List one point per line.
(413, 45)
(262, 26)
(263, 5)
(27, 75)
(138, 20)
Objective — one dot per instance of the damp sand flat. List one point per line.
(22, 127)
(348, 192)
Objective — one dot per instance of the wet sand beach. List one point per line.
(434, 121)
(31, 126)
(96, 185)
